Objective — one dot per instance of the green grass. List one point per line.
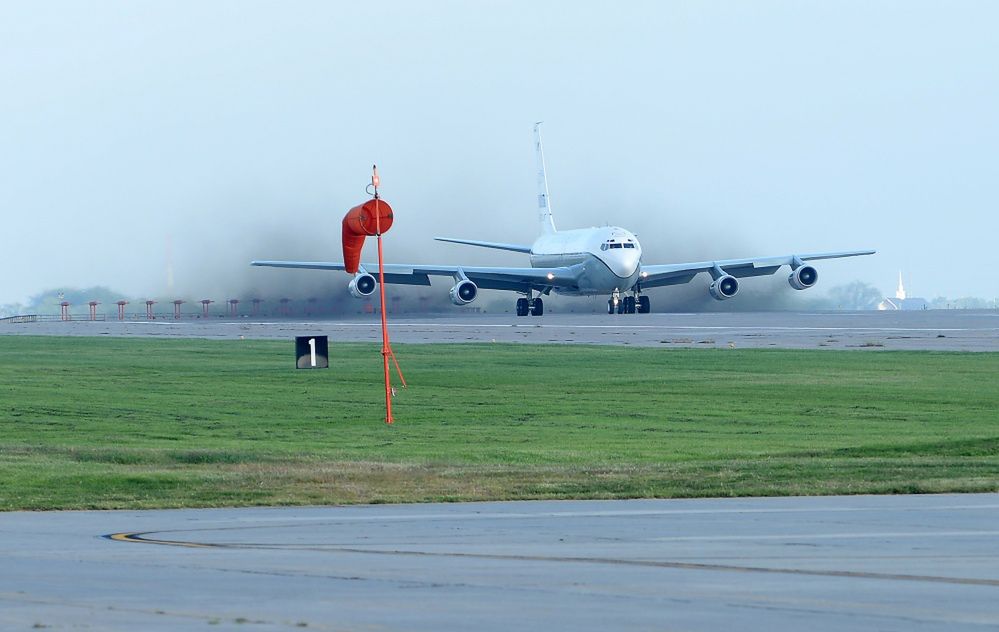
(117, 422)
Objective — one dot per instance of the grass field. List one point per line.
(127, 423)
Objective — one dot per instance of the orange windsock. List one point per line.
(360, 222)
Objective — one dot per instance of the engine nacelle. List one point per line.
(803, 278)
(362, 285)
(724, 287)
(464, 292)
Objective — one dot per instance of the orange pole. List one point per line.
(381, 292)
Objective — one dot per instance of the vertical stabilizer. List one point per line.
(544, 206)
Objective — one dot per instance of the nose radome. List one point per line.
(631, 258)
(624, 262)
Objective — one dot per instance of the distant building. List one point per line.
(901, 301)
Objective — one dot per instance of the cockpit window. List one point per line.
(604, 246)
(629, 245)
(617, 245)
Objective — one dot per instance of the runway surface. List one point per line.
(832, 563)
(935, 330)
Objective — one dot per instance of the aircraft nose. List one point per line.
(624, 261)
(630, 259)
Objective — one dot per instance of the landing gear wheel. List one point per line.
(644, 305)
(522, 308)
(620, 307)
(629, 304)
(538, 308)
(610, 306)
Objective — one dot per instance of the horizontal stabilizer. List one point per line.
(307, 265)
(486, 244)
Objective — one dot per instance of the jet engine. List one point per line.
(464, 292)
(362, 285)
(724, 287)
(803, 278)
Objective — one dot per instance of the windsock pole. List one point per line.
(355, 227)
(386, 346)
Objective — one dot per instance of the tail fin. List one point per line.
(544, 208)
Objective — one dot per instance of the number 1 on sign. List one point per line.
(312, 347)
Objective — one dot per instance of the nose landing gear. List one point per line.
(614, 303)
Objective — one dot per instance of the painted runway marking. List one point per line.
(279, 522)
(684, 327)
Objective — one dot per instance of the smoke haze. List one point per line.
(229, 131)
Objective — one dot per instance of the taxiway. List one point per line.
(829, 563)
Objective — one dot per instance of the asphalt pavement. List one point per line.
(930, 330)
(827, 563)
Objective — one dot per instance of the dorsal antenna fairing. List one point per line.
(544, 204)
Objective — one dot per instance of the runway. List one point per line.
(932, 330)
(829, 563)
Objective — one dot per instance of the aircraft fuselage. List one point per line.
(610, 258)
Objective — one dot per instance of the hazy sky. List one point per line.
(225, 131)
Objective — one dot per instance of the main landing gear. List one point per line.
(532, 306)
(628, 304)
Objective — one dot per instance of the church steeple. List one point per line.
(900, 292)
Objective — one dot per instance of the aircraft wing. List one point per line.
(678, 273)
(488, 278)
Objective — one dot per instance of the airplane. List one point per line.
(581, 262)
